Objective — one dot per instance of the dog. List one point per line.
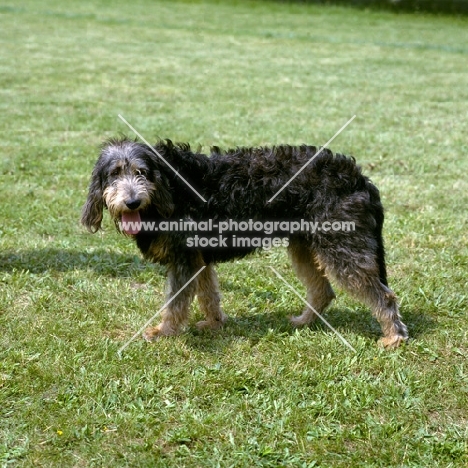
(138, 183)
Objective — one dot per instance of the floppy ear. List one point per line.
(162, 197)
(91, 215)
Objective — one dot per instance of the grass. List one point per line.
(257, 393)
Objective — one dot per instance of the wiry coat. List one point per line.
(237, 184)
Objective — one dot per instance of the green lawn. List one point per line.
(256, 393)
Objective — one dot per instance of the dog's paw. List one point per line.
(153, 333)
(305, 318)
(392, 342)
(212, 324)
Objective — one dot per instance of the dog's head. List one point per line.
(127, 180)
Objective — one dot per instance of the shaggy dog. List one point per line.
(139, 184)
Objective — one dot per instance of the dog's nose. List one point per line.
(133, 203)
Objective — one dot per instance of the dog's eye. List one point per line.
(115, 172)
(140, 172)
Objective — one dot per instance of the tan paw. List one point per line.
(153, 333)
(212, 324)
(304, 319)
(391, 342)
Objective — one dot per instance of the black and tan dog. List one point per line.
(137, 185)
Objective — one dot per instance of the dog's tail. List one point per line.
(379, 219)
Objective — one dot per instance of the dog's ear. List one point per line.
(91, 216)
(162, 198)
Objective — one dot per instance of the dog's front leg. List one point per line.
(209, 299)
(180, 294)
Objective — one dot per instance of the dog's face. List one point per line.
(128, 181)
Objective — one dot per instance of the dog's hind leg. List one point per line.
(360, 272)
(319, 290)
(175, 316)
(209, 299)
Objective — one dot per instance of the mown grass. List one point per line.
(257, 393)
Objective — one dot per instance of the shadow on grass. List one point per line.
(453, 7)
(358, 319)
(102, 262)
(362, 322)
(258, 325)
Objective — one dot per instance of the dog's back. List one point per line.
(300, 178)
